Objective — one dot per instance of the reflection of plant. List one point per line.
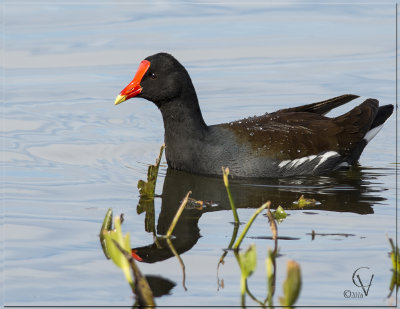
(394, 255)
(147, 188)
(169, 234)
(146, 204)
(146, 191)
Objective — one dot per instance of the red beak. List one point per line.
(134, 88)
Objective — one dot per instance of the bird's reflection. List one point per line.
(354, 191)
(159, 286)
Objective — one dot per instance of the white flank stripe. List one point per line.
(325, 157)
(283, 163)
(371, 133)
(296, 162)
(300, 161)
(311, 157)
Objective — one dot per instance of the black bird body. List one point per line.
(294, 141)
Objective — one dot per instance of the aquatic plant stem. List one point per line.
(249, 223)
(243, 291)
(141, 287)
(225, 172)
(222, 258)
(177, 215)
(274, 229)
(270, 263)
(233, 238)
(243, 283)
(271, 259)
(261, 304)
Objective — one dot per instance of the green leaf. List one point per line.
(248, 261)
(394, 255)
(269, 263)
(126, 267)
(292, 284)
(279, 214)
(270, 267)
(305, 202)
(115, 254)
(106, 226)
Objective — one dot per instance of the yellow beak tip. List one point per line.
(119, 99)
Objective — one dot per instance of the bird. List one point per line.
(289, 142)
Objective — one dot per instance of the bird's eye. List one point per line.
(153, 76)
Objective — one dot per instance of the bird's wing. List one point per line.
(294, 134)
(322, 107)
(287, 135)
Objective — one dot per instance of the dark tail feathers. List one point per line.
(383, 114)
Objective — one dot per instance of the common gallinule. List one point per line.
(292, 141)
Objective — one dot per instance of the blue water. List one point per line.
(69, 154)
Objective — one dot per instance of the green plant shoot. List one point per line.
(248, 263)
(279, 214)
(115, 254)
(305, 202)
(292, 284)
(249, 223)
(106, 227)
(394, 256)
(270, 263)
(225, 173)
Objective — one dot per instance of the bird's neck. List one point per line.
(182, 118)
